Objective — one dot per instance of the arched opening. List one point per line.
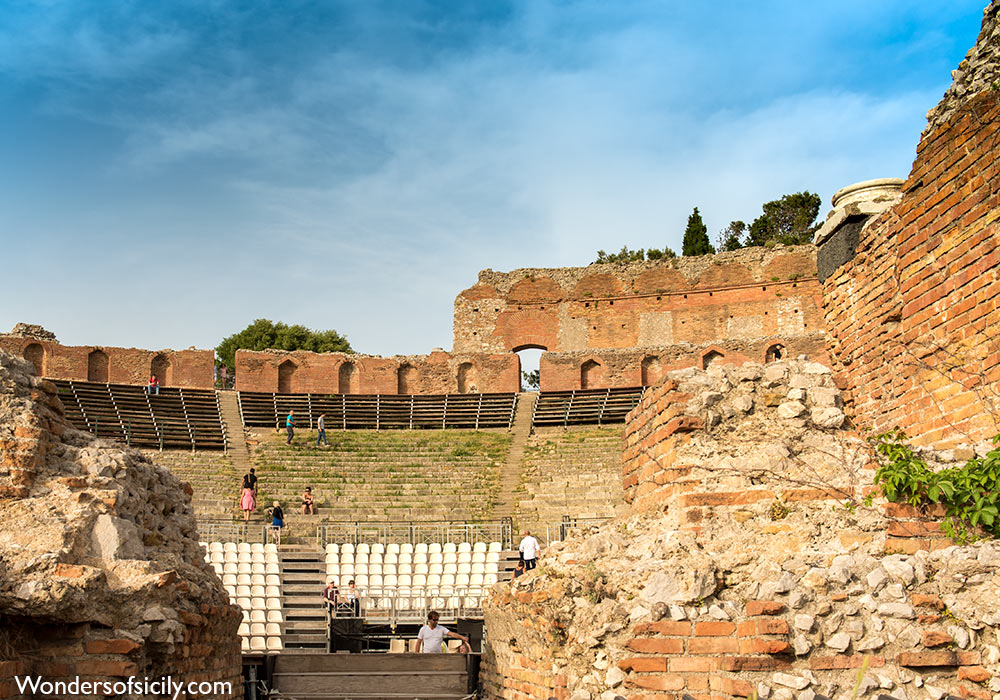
(160, 368)
(35, 354)
(406, 379)
(774, 353)
(97, 367)
(530, 357)
(286, 372)
(591, 375)
(652, 370)
(347, 378)
(468, 379)
(710, 358)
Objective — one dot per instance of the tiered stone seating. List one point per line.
(572, 472)
(401, 582)
(585, 406)
(380, 411)
(251, 573)
(173, 418)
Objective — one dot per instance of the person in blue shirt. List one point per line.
(290, 426)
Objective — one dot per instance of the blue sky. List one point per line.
(171, 171)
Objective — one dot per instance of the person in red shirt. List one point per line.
(154, 386)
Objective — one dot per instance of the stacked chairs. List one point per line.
(252, 576)
(394, 578)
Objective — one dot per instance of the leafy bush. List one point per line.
(970, 494)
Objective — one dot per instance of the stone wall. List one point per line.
(101, 573)
(302, 372)
(913, 317)
(193, 369)
(563, 371)
(747, 295)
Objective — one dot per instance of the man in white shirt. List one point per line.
(431, 635)
(529, 551)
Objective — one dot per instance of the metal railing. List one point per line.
(414, 533)
(230, 531)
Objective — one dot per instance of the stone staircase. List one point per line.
(574, 471)
(510, 475)
(229, 407)
(302, 580)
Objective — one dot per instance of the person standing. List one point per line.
(277, 522)
(248, 495)
(431, 635)
(321, 429)
(529, 550)
(290, 426)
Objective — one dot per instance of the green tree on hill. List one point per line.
(731, 237)
(696, 236)
(789, 220)
(263, 334)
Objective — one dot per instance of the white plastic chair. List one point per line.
(479, 557)
(451, 568)
(245, 644)
(347, 557)
(464, 547)
(272, 568)
(405, 558)
(360, 569)
(242, 579)
(215, 546)
(244, 603)
(419, 580)
(257, 557)
(361, 558)
(257, 547)
(378, 547)
(363, 548)
(404, 569)
(476, 580)
(271, 547)
(479, 547)
(435, 569)
(333, 570)
(420, 557)
(390, 558)
(274, 644)
(464, 568)
(478, 569)
(392, 548)
(271, 592)
(243, 592)
(272, 580)
(274, 616)
(375, 580)
(435, 558)
(447, 580)
(244, 629)
(489, 579)
(228, 546)
(257, 604)
(229, 580)
(404, 580)
(257, 629)
(258, 644)
(420, 548)
(243, 547)
(347, 548)
(434, 579)
(449, 547)
(420, 568)
(375, 558)
(495, 547)
(464, 557)
(272, 603)
(273, 629)
(257, 616)
(258, 568)
(361, 580)
(406, 548)
(346, 570)
(270, 558)
(434, 548)
(462, 580)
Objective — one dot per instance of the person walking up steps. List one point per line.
(529, 551)
(321, 429)
(290, 426)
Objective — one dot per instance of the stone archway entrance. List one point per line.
(529, 365)
(97, 367)
(286, 373)
(35, 354)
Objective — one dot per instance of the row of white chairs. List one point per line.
(406, 547)
(248, 557)
(248, 603)
(250, 580)
(363, 581)
(254, 591)
(409, 569)
(239, 547)
(260, 629)
(262, 616)
(415, 558)
(246, 568)
(262, 644)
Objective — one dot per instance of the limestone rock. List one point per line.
(791, 409)
(790, 681)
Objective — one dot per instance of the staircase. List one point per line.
(229, 407)
(302, 582)
(510, 473)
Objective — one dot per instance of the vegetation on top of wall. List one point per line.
(627, 255)
(263, 334)
(970, 494)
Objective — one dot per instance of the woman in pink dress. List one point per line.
(248, 497)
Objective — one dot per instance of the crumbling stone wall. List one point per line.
(191, 368)
(101, 573)
(741, 295)
(742, 569)
(338, 373)
(913, 317)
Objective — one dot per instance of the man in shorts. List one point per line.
(432, 634)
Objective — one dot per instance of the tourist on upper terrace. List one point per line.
(154, 386)
(290, 426)
(321, 429)
(307, 502)
(431, 635)
(248, 494)
(529, 550)
(353, 597)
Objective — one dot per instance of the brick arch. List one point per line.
(35, 354)
(467, 378)
(160, 368)
(286, 376)
(98, 366)
(651, 370)
(347, 378)
(406, 379)
(528, 328)
(591, 374)
(712, 355)
(775, 352)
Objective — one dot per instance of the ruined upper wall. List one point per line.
(303, 372)
(194, 369)
(747, 294)
(913, 316)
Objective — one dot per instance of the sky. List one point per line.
(171, 171)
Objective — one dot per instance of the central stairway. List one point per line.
(302, 584)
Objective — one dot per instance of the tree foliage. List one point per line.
(628, 255)
(731, 237)
(530, 380)
(696, 236)
(789, 220)
(263, 334)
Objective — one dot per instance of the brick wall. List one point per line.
(440, 372)
(741, 295)
(913, 317)
(193, 369)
